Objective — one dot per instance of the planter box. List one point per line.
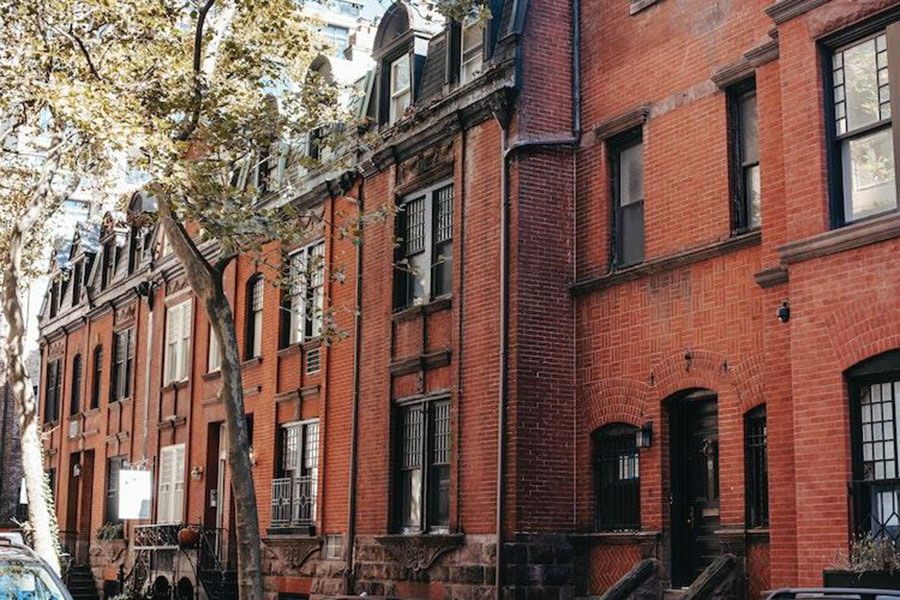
(866, 579)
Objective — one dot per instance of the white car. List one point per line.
(25, 576)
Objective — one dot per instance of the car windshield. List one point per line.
(27, 581)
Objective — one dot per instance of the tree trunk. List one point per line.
(40, 506)
(206, 283)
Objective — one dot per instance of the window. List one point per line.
(400, 90)
(471, 48)
(756, 473)
(123, 365)
(54, 299)
(743, 139)
(109, 265)
(75, 395)
(627, 155)
(334, 546)
(253, 338)
(170, 495)
(863, 153)
(425, 249)
(178, 342)
(77, 278)
(337, 38)
(214, 361)
(52, 391)
(303, 304)
(423, 467)
(97, 377)
(617, 478)
(349, 8)
(294, 491)
(113, 466)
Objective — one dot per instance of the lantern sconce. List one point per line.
(644, 435)
(252, 454)
(76, 470)
(196, 472)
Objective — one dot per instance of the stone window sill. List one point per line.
(412, 312)
(614, 538)
(856, 235)
(639, 5)
(211, 375)
(251, 362)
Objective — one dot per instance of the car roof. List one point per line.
(12, 551)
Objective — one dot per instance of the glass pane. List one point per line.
(754, 201)
(861, 77)
(631, 241)
(868, 171)
(631, 165)
(412, 494)
(749, 142)
(400, 74)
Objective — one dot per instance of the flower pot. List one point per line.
(882, 580)
(188, 537)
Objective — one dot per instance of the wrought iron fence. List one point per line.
(293, 501)
(876, 508)
(157, 537)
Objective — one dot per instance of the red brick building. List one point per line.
(651, 311)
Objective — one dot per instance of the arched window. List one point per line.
(617, 483)
(875, 405)
(253, 327)
(75, 395)
(97, 376)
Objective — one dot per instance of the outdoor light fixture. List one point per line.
(252, 454)
(644, 435)
(196, 472)
(784, 312)
(76, 470)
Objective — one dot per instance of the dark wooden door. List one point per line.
(695, 485)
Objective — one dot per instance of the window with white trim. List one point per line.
(303, 303)
(178, 342)
(294, 491)
(401, 92)
(471, 49)
(253, 328)
(214, 361)
(123, 365)
(170, 496)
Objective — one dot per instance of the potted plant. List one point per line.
(188, 537)
(873, 562)
(111, 531)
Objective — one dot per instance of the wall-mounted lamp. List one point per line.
(252, 454)
(644, 435)
(76, 470)
(196, 472)
(784, 312)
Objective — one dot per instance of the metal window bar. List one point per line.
(415, 226)
(293, 501)
(617, 466)
(443, 199)
(757, 480)
(441, 448)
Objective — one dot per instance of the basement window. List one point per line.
(617, 478)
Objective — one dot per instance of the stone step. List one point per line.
(674, 594)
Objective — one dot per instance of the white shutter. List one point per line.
(178, 486)
(172, 327)
(185, 339)
(164, 497)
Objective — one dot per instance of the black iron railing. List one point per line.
(875, 508)
(293, 501)
(833, 594)
(157, 537)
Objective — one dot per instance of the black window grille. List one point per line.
(617, 478)
(75, 395)
(425, 246)
(97, 377)
(756, 471)
(423, 467)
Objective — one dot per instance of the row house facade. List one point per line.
(630, 323)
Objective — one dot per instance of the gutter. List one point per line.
(354, 412)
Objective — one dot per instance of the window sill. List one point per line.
(176, 385)
(211, 375)
(639, 5)
(848, 237)
(92, 411)
(412, 312)
(120, 402)
(291, 349)
(617, 538)
(252, 362)
(667, 263)
(418, 551)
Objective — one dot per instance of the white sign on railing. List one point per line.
(135, 492)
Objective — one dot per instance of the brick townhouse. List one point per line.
(650, 333)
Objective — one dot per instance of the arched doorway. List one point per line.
(694, 469)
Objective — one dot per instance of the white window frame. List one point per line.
(303, 284)
(170, 485)
(300, 463)
(402, 96)
(470, 68)
(258, 287)
(178, 341)
(213, 360)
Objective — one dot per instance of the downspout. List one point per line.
(576, 133)
(460, 331)
(504, 349)
(354, 411)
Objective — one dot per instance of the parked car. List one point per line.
(25, 576)
(834, 594)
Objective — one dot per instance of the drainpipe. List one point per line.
(461, 253)
(151, 290)
(504, 349)
(576, 133)
(357, 348)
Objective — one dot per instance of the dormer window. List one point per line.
(471, 50)
(77, 277)
(400, 88)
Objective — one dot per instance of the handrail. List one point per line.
(833, 594)
(711, 577)
(639, 574)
